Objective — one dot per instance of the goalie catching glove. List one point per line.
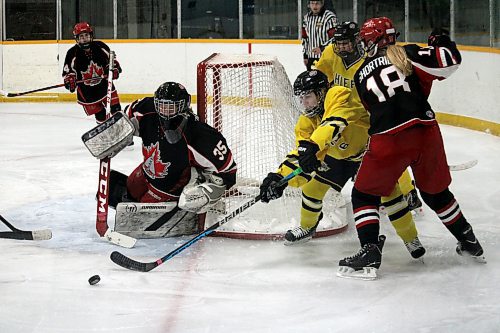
(202, 192)
(269, 189)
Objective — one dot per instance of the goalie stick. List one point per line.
(44, 234)
(134, 265)
(103, 186)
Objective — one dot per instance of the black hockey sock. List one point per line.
(366, 216)
(448, 211)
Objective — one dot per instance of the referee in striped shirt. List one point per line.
(318, 27)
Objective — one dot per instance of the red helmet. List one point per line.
(377, 33)
(81, 28)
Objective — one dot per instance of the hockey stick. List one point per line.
(463, 166)
(134, 265)
(44, 234)
(103, 186)
(8, 94)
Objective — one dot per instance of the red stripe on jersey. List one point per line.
(438, 57)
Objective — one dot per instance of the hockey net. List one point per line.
(249, 99)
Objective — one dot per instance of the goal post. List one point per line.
(249, 99)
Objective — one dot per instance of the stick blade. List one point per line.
(27, 235)
(463, 166)
(131, 264)
(119, 239)
(44, 234)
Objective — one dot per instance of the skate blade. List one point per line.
(302, 241)
(479, 259)
(367, 273)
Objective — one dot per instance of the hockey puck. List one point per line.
(94, 280)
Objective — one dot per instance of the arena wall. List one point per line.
(471, 98)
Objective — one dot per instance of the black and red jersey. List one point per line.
(396, 102)
(88, 64)
(167, 166)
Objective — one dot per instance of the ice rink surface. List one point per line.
(48, 180)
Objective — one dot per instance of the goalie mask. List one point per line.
(310, 87)
(172, 104)
(347, 44)
(83, 34)
(377, 33)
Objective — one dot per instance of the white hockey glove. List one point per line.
(201, 193)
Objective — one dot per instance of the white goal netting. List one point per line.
(249, 99)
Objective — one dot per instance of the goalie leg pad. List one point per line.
(154, 220)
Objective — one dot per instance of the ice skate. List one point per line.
(415, 248)
(299, 235)
(364, 264)
(470, 246)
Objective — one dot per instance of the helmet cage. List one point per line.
(312, 110)
(168, 109)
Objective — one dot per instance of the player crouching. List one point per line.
(186, 168)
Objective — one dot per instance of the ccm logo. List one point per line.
(102, 190)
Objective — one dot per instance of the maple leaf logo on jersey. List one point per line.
(94, 71)
(153, 166)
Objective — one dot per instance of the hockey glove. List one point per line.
(70, 82)
(268, 190)
(438, 37)
(116, 70)
(307, 156)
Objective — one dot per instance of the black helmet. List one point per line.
(311, 81)
(347, 31)
(172, 104)
(171, 99)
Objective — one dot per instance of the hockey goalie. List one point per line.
(186, 168)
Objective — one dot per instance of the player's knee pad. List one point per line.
(437, 201)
